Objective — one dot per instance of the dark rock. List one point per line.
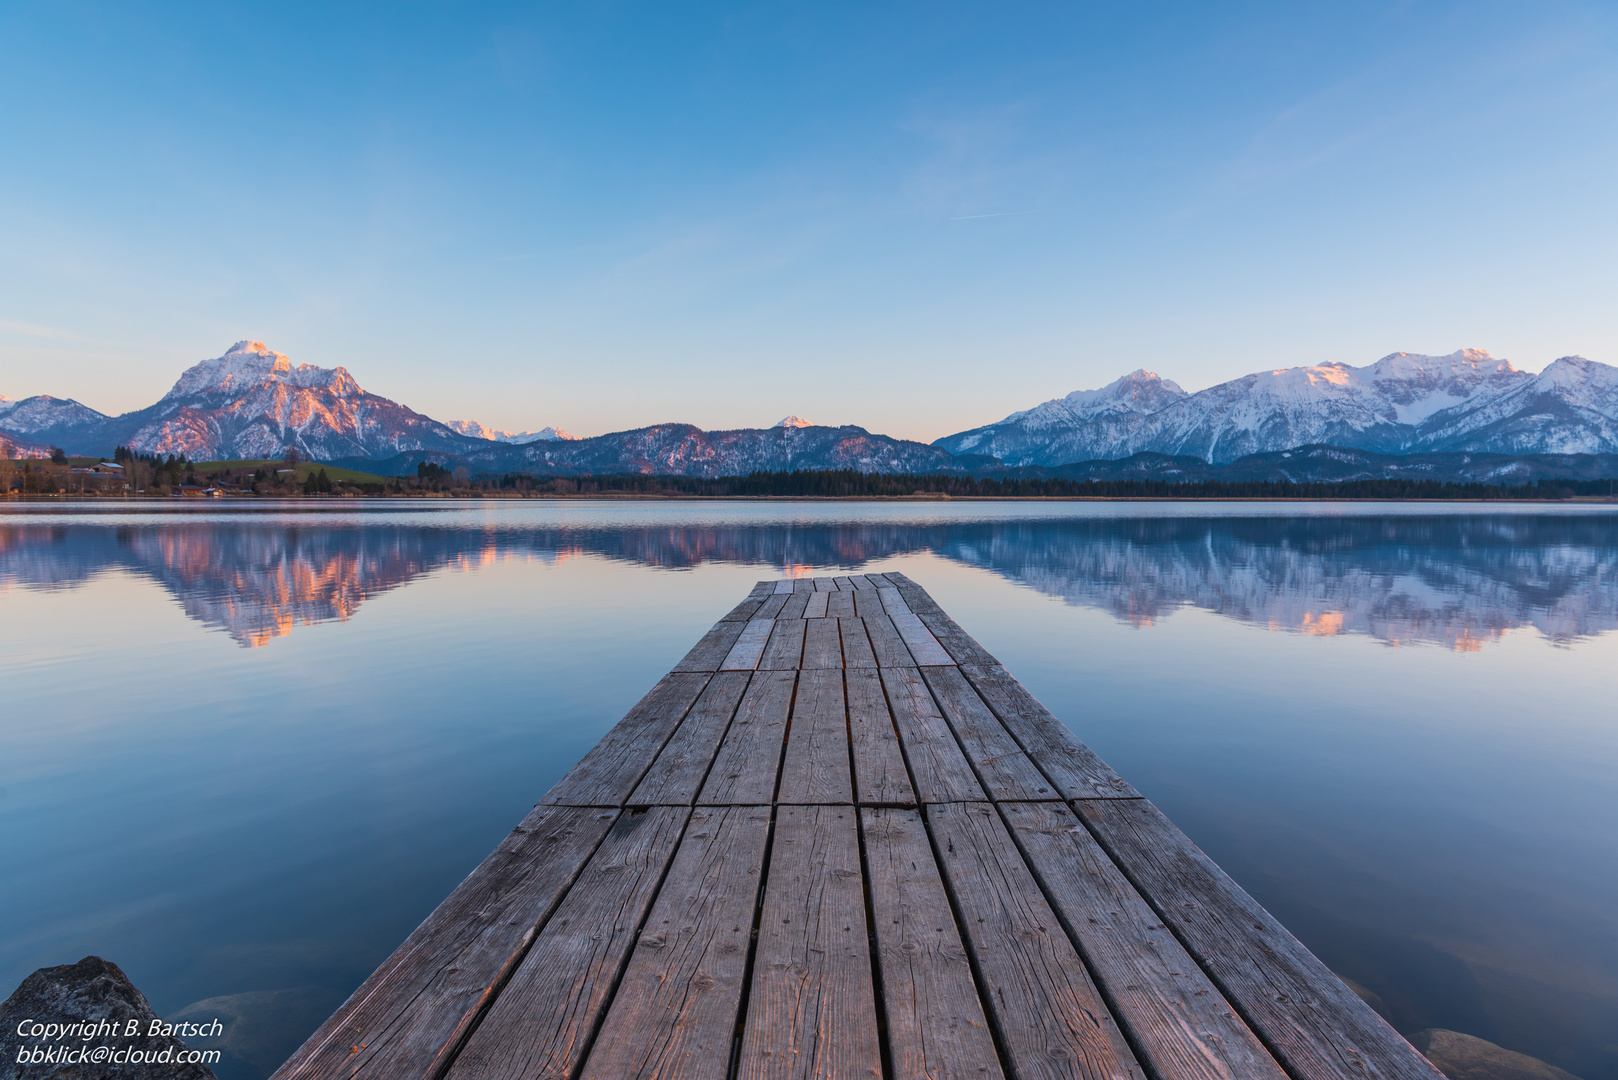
(1467, 1057)
(97, 994)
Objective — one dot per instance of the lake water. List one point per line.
(245, 749)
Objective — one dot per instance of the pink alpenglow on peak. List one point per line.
(474, 430)
(794, 422)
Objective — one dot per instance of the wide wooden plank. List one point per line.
(842, 582)
(840, 605)
(811, 1010)
(803, 585)
(676, 776)
(815, 608)
(860, 582)
(923, 646)
(785, 649)
(744, 770)
(880, 776)
(1072, 766)
(674, 1016)
(822, 643)
(613, 767)
(1315, 1025)
(825, 584)
(709, 653)
(749, 647)
(856, 644)
(785, 585)
(1180, 1023)
(936, 1026)
(868, 602)
(940, 772)
(540, 1025)
(957, 642)
(920, 601)
(1002, 767)
(815, 767)
(795, 605)
(1052, 1021)
(416, 1008)
(886, 643)
(744, 610)
(772, 605)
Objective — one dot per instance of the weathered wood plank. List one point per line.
(822, 644)
(920, 601)
(1002, 767)
(940, 772)
(744, 770)
(936, 1026)
(868, 602)
(744, 610)
(957, 642)
(1313, 1023)
(856, 644)
(795, 606)
(1181, 1024)
(815, 767)
(772, 605)
(825, 584)
(842, 582)
(785, 650)
(811, 1010)
(540, 1025)
(923, 646)
(609, 772)
(840, 605)
(816, 606)
(880, 776)
(1051, 1019)
(417, 1007)
(710, 652)
(674, 1016)
(889, 647)
(803, 585)
(749, 647)
(677, 774)
(785, 585)
(860, 582)
(1072, 766)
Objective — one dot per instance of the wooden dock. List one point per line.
(839, 840)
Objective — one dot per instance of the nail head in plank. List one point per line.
(1316, 1026)
(1075, 769)
(744, 770)
(614, 766)
(710, 652)
(785, 650)
(856, 644)
(674, 1016)
(539, 1026)
(889, 647)
(880, 776)
(935, 1022)
(1051, 1019)
(749, 647)
(940, 771)
(419, 1004)
(822, 644)
(1002, 767)
(815, 768)
(811, 1009)
(1181, 1024)
(677, 774)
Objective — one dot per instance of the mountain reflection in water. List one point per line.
(1457, 581)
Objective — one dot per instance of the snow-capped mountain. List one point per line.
(474, 430)
(1403, 403)
(793, 421)
(43, 412)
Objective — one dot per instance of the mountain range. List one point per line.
(1406, 414)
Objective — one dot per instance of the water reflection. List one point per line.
(1456, 581)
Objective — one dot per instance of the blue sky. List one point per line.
(912, 217)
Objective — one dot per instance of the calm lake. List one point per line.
(244, 749)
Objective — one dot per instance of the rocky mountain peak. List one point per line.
(249, 364)
(794, 422)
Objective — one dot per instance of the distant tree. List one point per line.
(293, 457)
(58, 456)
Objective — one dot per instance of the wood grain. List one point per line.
(540, 1025)
(938, 769)
(840, 605)
(613, 767)
(811, 1010)
(744, 770)
(676, 776)
(749, 647)
(1073, 767)
(710, 652)
(856, 644)
(1182, 1025)
(1315, 1025)
(414, 1010)
(785, 649)
(772, 605)
(822, 643)
(796, 604)
(1002, 767)
(825, 584)
(886, 643)
(816, 606)
(675, 1012)
(815, 767)
(1051, 1020)
(880, 776)
(936, 1026)
(923, 646)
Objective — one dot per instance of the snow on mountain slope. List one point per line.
(43, 412)
(474, 430)
(1403, 403)
(793, 421)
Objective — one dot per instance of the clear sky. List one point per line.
(912, 217)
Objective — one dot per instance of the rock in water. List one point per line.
(90, 991)
(1467, 1057)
